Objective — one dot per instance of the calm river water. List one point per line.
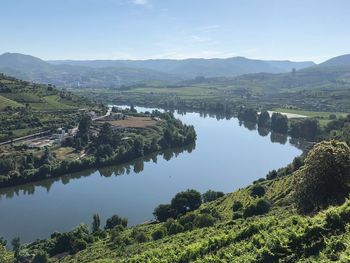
(226, 156)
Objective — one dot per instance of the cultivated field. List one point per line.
(134, 122)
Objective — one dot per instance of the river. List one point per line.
(227, 156)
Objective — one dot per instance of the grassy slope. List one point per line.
(281, 232)
(45, 107)
(17, 93)
(5, 102)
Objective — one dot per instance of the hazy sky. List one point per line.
(139, 29)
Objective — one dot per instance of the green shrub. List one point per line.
(236, 215)
(257, 190)
(142, 237)
(211, 195)
(173, 227)
(41, 257)
(259, 207)
(116, 220)
(159, 233)
(237, 205)
(204, 220)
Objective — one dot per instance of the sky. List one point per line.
(142, 29)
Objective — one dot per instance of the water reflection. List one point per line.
(137, 166)
(278, 138)
(263, 131)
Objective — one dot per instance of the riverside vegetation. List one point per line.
(96, 144)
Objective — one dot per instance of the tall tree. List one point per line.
(324, 179)
(96, 223)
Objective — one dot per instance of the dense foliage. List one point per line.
(324, 179)
(107, 148)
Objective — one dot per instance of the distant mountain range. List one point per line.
(189, 68)
(114, 73)
(340, 61)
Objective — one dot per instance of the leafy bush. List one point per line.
(185, 201)
(41, 257)
(116, 220)
(211, 195)
(141, 237)
(258, 207)
(237, 205)
(257, 190)
(163, 212)
(173, 227)
(159, 233)
(236, 215)
(204, 220)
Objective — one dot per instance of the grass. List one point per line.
(321, 116)
(5, 102)
(135, 122)
(313, 114)
(65, 153)
(52, 102)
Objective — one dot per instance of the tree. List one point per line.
(84, 128)
(41, 257)
(188, 200)
(247, 114)
(258, 207)
(116, 220)
(163, 212)
(159, 233)
(211, 195)
(96, 223)
(3, 242)
(138, 146)
(324, 179)
(271, 175)
(6, 165)
(279, 123)
(204, 220)
(173, 227)
(257, 190)
(264, 119)
(105, 135)
(16, 245)
(308, 129)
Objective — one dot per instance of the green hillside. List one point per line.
(27, 107)
(6, 102)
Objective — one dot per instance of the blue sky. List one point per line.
(140, 29)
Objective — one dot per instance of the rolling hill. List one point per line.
(339, 61)
(190, 68)
(33, 69)
(26, 108)
(115, 73)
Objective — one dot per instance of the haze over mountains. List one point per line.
(114, 73)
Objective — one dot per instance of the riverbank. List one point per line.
(109, 146)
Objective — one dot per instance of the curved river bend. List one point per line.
(226, 156)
